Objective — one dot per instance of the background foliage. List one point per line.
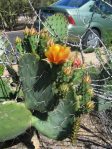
(13, 8)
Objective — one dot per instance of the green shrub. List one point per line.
(10, 11)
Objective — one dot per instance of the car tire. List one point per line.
(91, 40)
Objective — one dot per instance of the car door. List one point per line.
(103, 19)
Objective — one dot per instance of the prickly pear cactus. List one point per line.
(5, 90)
(57, 125)
(14, 120)
(58, 122)
(2, 45)
(105, 88)
(57, 26)
(13, 74)
(55, 83)
(104, 100)
(37, 80)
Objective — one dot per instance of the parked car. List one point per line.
(87, 18)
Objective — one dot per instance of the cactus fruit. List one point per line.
(14, 120)
(57, 25)
(37, 82)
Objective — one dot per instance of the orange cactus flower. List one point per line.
(57, 54)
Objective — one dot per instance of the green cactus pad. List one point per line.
(59, 122)
(104, 100)
(2, 45)
(13, 73)
(1, 69)
(14, 120)
(37, 83)
(102, 103)
(4, 90)
(57, 25)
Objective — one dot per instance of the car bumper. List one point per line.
(75, 33)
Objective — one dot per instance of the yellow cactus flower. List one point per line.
(57, 54)
(26, 31)
(90, 105)
(18, 40)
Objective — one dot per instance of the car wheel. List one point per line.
(91, 39)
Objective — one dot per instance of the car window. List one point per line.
(104, 7)
(71, 3)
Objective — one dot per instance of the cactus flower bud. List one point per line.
(90, 92)
(90, 105)
(79, 97)
(33, 31)
(77, 63)
(64, 88)
(83, 66)
(50, 42)
(26, 31)
(68, 70)
(87, 79)
(18, 40)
